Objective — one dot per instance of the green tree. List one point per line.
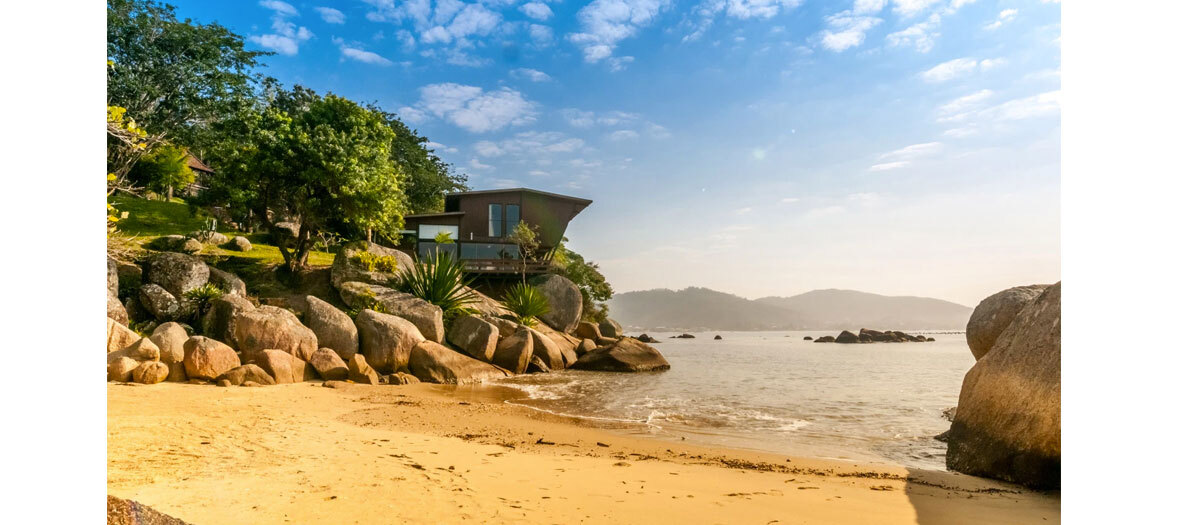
(163, 170)
(525, 239)
(593, 285)
(325, 161)
(428, 178)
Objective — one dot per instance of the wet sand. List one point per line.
(304, 453)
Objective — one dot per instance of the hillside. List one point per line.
(702, 308)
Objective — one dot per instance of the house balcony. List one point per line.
(484, 257)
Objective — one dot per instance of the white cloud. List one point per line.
(351, 52)
(868, 7)
(604, 23)
(531, 146)
(965, 102)
(476, 164)
(920, 36)
(950, 69)
(789, 200)
(624, 134)
(331, 16)
(866, 198)
(474, 110)
(488, 149)
(959, 133)
(531, 74)
(441, 147)
(708, 10)
(743, 211)
(584, 119)
(280, 8)
(1005, 16)
(536, 11)
(846, 30)
(541, 35)
(884, 166)
(912, 151)
(287, 36)
(412, 115)
(1044, 104)
(911, 7)
(991, 63)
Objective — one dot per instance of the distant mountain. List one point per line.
(705, 309)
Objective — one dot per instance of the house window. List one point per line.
(427, 232)
(502, 219)
(511, 217)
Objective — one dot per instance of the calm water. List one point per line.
(773, 391)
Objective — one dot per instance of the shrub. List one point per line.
(367, 301)
(443, 237)
(374, 263)
(440, 281)
(526, 303)
(201, 296)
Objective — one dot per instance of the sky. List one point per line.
(756, 147)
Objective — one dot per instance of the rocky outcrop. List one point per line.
(282, 366)
(588, 330)
(585, 346)
(116, 310)
(249, 372)
(514, 352)
(205, 358)
(627, 355)
(386, 340)
(435, 363)
(475, 336)
(159, 302)
(170, 338)
(1008, 421)
(847, 337)
(359, 371)
(348, 266)
(127, 512)
(177, 272)
(228, 282)
(565, 343)
(120, 367)
(610, 328)
(426, 316)
(546, 350)
(273, 328)
(333, 328)
(995, 313)
(218, 322)
(150, 373)
(825, 339)
(329, 365)
(565, 301)
(119, 336)
(240, 244)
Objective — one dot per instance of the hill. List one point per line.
(702, 308)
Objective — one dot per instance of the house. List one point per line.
(479, 223)
(201, 174)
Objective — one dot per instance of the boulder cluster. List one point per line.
(872, 336)
(396, 338)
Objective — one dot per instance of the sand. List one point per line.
(304, 453)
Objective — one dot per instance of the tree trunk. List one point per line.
(169, 193)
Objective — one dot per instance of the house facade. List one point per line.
(479, 222)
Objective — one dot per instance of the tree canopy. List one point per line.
(163, 169)
(593, 285)
(428, 177)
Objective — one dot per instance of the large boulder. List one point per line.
(112, 277)
(116, 310)
(240, 244)
(484, 305)
(506, 327)
(142, 350)
(435, 363)
(585, 346)
(170, 338)
(1008, 421)
(475, 336)
(329, 365)
(333, 328)
(228, 282)
(545, 349)
(281, 232)
(206, 358)
(119, 336)
(349, 266)
(159, 302)
(588, 330)
(995, 313)
(514, 352)
(847, 337)
(177, 272)
(565, 301)
(426, 316)
(610, 328)
(359, 371)
(627, 355)
(386, 340)
(282, 366)
(248, 372)
(218, 322)
(273, 328)
(150, 372)
(120, 367)
(566, 343)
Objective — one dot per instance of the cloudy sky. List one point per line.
(758, 147)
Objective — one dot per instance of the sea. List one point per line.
(776, 392)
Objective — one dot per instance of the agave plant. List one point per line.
(439, 280)
(526, 303)
(201, 296)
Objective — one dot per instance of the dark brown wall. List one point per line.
(549, 215)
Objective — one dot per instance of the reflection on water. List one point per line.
(774, 391)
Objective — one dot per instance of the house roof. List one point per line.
(441, 214)
(196, 164)
(525, 190)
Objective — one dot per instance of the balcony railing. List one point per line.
(484, 257)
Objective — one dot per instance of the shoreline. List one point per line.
(303, 453)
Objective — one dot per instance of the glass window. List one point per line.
(488, 251)
(511, 217)
(428, 232)
(496, 220)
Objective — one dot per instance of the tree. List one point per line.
(428, 178)
(525, 239)
(593, 285)
(163, 170)
(325, 161)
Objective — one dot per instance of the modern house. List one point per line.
(479, 223)
(201, 173)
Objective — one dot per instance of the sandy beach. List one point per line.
(304, 453)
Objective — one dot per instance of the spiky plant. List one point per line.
(201, 296)
(526, 303)
(440, 280)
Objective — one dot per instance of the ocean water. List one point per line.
(775, 392)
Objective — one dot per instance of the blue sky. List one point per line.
(759, 147)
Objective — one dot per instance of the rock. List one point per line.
(224, 382)
(807, 338)
(565, 301)
(218, 322)
(610, 328)
(1008, 421)
(273, 328)
(684, 336)
(386, 340)
(112, 277)
(280, 232)
(206, 358)
(643, 338)
(588, 330)
(170, 338)
(929, 339)
(282, 366)
(159, 302)
(585, 346)
(717, 337)
(548, 351)
(191, 246)
(177, 272)
(949, 413)
(402, 378)
(119, 336)
(435, 363)
(537, 366)
(943, 437)
(628, 355)
(217, 238)
(249, 372)
(426, 316)
(484, 305)
(333, 328)
(346, 267)
(565, 343)
(143, 350)
(825, 339)
(135, 311)
(995, 313)
(127, 512)
(329, 364)
(847, 337)
(120, 368)
(228, 282)
(240, 244)
(359, 371)
(475, 336)
(604, 341)
(116, 310)
(505, 326)
(514, 352)
(337, 384)
(251, 384)
(864, 338)
(150, 372)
